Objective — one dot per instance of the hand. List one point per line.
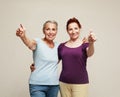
(91, 37)
(20, 32)
(85, 40)
(32, 67)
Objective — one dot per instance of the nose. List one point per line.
(50, 31)
(73, 31)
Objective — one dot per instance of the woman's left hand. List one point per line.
(91, 37)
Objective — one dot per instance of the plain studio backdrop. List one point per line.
(102, 16)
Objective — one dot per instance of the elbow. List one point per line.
(90, 54)
(32, 48)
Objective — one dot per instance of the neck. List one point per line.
(74, 40)
(74, 43)
(50, 43)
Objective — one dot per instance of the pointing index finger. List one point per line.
(21, 26)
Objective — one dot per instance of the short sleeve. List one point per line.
(60, 50)
(85, 45)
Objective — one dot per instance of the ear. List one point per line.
(43, 31)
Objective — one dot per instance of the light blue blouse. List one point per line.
(46, 67)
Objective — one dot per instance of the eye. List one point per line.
(53, 29)
(47, 29)
(70, 29)
(76, 28)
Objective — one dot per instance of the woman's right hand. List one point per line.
(20, 32)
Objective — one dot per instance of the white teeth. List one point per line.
(50, 36)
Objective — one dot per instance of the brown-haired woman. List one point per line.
(74, 53)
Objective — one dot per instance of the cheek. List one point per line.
(77, 32)
(69, 32)
(55, 33)
(46, 32)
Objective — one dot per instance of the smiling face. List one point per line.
(73, 30)
(50, 31)
(73, 27)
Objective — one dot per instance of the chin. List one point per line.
(51, 39)
(74, 38)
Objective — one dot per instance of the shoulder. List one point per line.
(56, 43)
(85, 45)
(37, 40)
(60, 47)
(62, 44)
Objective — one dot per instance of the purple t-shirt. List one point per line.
(73, 64)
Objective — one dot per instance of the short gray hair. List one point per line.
(50, 21)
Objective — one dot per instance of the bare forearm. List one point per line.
(91, 40)
(90, 49)
(29, 43)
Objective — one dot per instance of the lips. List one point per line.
(50, 36)
(74, 35)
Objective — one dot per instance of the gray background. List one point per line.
(102, 16)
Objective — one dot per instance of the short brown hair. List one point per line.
(73, 20)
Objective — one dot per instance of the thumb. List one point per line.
(84, 40)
